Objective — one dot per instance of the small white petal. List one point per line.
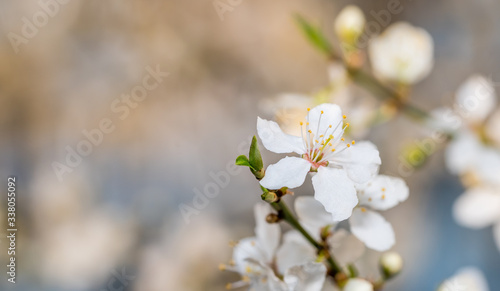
(476, 98)
(306, 277)
(319, 123)
(496, 234)
(467, 279)
(477, 208)
(462, 152)
(335, 191)
(273, 283)
(357, 284)
(275, 140)
(295, 250)
(249, 253)
(383, 192)
(361, 161)
(371, 228)
(289, 172)
(268, 234)
(312, 214)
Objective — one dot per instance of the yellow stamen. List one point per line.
(344, 117)
(383, 197)
(229, 286)
(363, 209)
(353, 142)
(330, 126)
(301, 123)
(370, 199)
(222, 267)
(333, 150)
(342, 139)
(383, 189)
(348, 145)
(322, 112)
(308, 109)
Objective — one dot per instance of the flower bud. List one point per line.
(270, 197)
(349, 24)
(357, 284)
(391, 264)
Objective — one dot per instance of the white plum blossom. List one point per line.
(471, 153)
(402, 53)
(337, 164)
(466, 279)
(479, 207)
(255, 258)
(381, 193)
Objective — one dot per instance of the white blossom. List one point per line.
(337, 164)
(402, 53)
(466, 279)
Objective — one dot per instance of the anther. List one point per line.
(383, 189)
(348, 145)
(308, 109)
(301, 123)
(222, 267)
(342, 139)
(353, 142)
(322, 112)
(344, 117)
(363, 209)
(383, 197)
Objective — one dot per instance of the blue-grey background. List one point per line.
(64, 79)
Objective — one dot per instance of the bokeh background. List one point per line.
(116, 214)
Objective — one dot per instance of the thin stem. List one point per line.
(287, 215)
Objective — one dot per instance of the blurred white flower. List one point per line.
(402, 53)
(475, 99)
(349, 24)
(254, 258)
(479, 207)
(357, 284)
(381, 193)
(472, 153)
(466, 279)
(322, 150)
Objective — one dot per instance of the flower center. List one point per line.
(321, 147)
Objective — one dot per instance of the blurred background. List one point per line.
(113, 218)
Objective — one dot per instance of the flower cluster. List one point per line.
(347, 186)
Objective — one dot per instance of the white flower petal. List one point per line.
(319, 123)
(268, 234)
(306, 277)
(487, 165)
(358, 284)
(476, 98)
(477, 208)
(383, 192)
(335, 191)
(249, 253)
(295, 250)
(312, 214)
(288, 172)
(371, 228)
(273, 283)
(361, 161)
(275, 140)
(467, 279)
(496, 234)
(462, 152)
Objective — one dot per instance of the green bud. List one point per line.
(269, 196)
